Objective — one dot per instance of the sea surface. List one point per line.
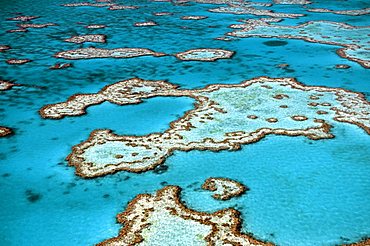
(302, 192)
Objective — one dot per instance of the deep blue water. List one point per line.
(302, 192)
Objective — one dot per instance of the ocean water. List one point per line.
(302, 192)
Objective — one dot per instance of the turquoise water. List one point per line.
(302, 192)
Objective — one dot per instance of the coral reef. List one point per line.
(354, 40)
(150, 219)
(221, 120)
(224, 188)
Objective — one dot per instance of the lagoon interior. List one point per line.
(302, 192)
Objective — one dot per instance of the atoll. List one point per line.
(204, 54)
(224, 188)
(353, 12)
(354, 40)
(18, 61)
(96, 38)
(150, 219)
(4, 131)
(219, 120)
(89, 53)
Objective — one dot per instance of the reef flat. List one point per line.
(224, 117)
(204, 55)
(14, 61)
(162, 219)
(352, 12)
(354, 40)
(207, 54)
(224, 188)
(300, 2)
(95, 38)
(242, 10)
(90, 53)
(146, 23)
(194, 17)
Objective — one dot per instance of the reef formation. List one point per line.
(354, 40)
(224, 188)
(146, 23)
(204, 54)
(3, 48)
(194, 17)
(150, 219)
(224, 117)
(96, 38)
(90, 53)
(353, 12)
(6, 85)
(5, 131)
(18, 61)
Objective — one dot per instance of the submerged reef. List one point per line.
(150, 219)
(354, 40)
(5, 131)
(89, 53)
(96, 38)
(58, 66)
(224, 117)
(204, 55)
(224, 188)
